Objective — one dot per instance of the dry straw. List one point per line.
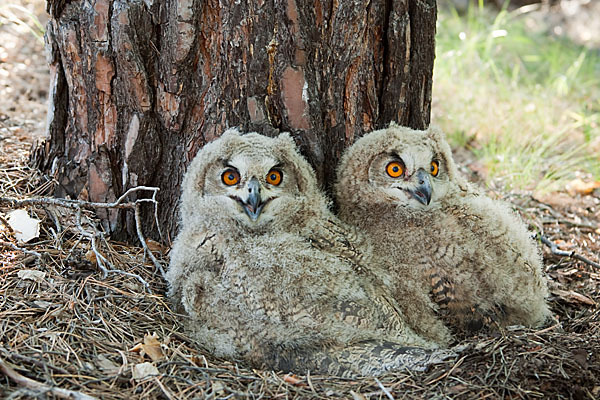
(78, 329)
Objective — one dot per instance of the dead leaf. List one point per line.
(24, 227)
(150, 347)
(43, 304)
(198, 361)
(293, 380)
(137, 348)
(153, 245)
(357, 396)
(559, 242)
(106, 365)
(580, 357)
(578, 186)
(143, 371)
(83, 195)
(33, 275)
(458, 388)
(573, 297)
(91, 257)
(218, 387)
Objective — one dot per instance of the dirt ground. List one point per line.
(69, 331)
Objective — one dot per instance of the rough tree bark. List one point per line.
(138, 86)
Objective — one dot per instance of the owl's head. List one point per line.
(256, 181)
(397, 165)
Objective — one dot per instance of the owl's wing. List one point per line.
(491, 273)
(376, 357)
(196, 257)
(457, 306)
(344, 242)
(364, 358)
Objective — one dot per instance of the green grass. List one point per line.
(525, 102)
(13, 13)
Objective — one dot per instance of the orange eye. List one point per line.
(274, 177)
(395, 169)
(230, 177)
(435, 168)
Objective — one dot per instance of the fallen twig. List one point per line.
(556, 251)
(385, 390)
(103, 263)
(138, 227)
(15, 247)
(456, 365)
(548, 329)
(35, 361)
(32, 384)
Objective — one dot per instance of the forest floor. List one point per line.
(68, 331)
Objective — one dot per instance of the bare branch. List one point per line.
(556, 251)
(136, 276)
(92, 237)
(15, 247)
(103, 263)
(81, 203)
(138, 226)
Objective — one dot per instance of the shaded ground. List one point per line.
(73, 328)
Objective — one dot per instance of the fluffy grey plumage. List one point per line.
(472, 255)
(269, 276)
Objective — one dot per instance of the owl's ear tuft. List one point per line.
(360, 154)
(230, 139)
(222, 146)
(443, 149)
(436, 134)
(285, 140)
(231, 132)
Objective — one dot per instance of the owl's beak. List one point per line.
(422, 192)
(253, 204)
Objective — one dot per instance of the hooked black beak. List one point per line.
(422, 192)
(253, 204)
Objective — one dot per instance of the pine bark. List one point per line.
(138, 86)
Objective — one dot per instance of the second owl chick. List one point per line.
(472, 254)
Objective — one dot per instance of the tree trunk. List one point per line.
(138, 86)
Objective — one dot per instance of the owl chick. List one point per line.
(472, 255)
(268, 276)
